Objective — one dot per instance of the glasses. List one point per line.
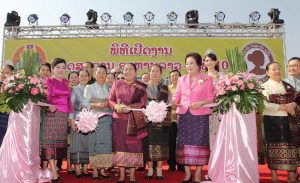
(116, 72)
(120, 78)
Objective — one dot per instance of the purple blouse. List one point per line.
(59, 94)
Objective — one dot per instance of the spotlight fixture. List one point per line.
(12, 19)
(33, 19)
(254, 17)
(128, 17)
(65, 19)
(191, 18)
(274, 15)
(172, 17)
(149, 16)
(106, 17)
(219, 17)
(92, 17)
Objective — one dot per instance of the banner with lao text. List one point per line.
(169, 52)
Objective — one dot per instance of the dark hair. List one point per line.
(156, 65)
(57, 61)
(73, 72)
(196, 56)
(111, 74)
(214, 58)
(102, 66)
(83, 70)
(175, 71)
(10, 67)
(294, 58)
(133, 65)
(47, 65)
(269, 64)
(91, 64)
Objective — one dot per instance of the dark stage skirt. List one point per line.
(125, 154)
(193, 139)
(281, 152)
(54, 143)
(3, 125)
(156, 145)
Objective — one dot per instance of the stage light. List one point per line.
(33, 19)
(105, 17)
(149, 16)
(172, 17)
(254, 17)
(191, 17)
(12, 19)
(219, 17)
(65, 19)
(128, 17)
(274, 15)
(92, 17)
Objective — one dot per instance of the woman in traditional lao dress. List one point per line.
(193, 91)
(79, 148)
(128, 126)
(280, 106)
(54, 142)
(100, 140)
(212, 69)
(156, 145)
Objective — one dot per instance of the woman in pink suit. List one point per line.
(193, 91)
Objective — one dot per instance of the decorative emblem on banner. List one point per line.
(257, 56)
(29, 52)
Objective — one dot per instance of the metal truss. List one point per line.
(146, 30)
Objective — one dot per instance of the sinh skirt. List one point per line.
(193, 139)
(54, 141)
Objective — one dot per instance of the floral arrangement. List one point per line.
(243, 89)
(87, 121)
(19, 89)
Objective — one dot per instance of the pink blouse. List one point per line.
(59, 94)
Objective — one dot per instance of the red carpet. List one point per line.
(169, 177)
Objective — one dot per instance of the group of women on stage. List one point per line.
(126, 139)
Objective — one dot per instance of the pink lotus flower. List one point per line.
(34, 91)
(33, 80)
(250, 86)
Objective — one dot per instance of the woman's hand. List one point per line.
(196, 105)
(52, 108)
(126, 109)
(174, 104)
(73, 125)
(102, 105)
(93, 106)
(290, 108)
